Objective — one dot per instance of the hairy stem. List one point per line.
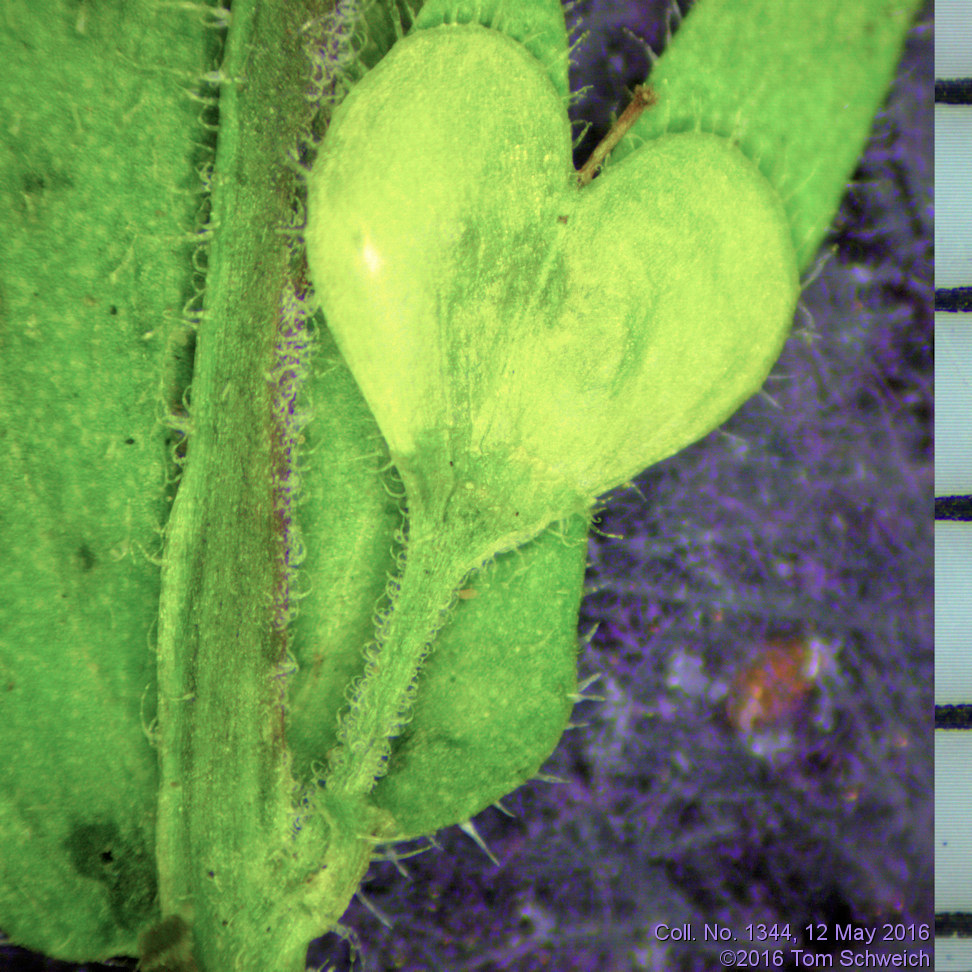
(435, 567)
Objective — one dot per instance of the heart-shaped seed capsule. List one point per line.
(526, 344)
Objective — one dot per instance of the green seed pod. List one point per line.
(523, 343)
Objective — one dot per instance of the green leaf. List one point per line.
(495, 694)
(795, 83)
(95, 265)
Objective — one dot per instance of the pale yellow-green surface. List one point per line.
(519, 339)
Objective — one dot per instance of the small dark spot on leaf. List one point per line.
(85, 557)
(44, 178)
(33, 182)
(113, 310)
(119, 863)
(129, 441)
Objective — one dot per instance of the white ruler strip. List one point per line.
(953, 617)
(953, 401)
(953, 954)
(953, 28)
(953, 195)
(953, 820)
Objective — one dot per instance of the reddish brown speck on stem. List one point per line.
(643, 98)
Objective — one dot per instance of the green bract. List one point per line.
(525, 344)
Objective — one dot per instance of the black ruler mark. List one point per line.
(953, 716)
(954, 299)
(953, 508)
(956, 91)
(951, 923)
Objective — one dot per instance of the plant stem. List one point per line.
(435, 566)
(643, 98)
(232, 862)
